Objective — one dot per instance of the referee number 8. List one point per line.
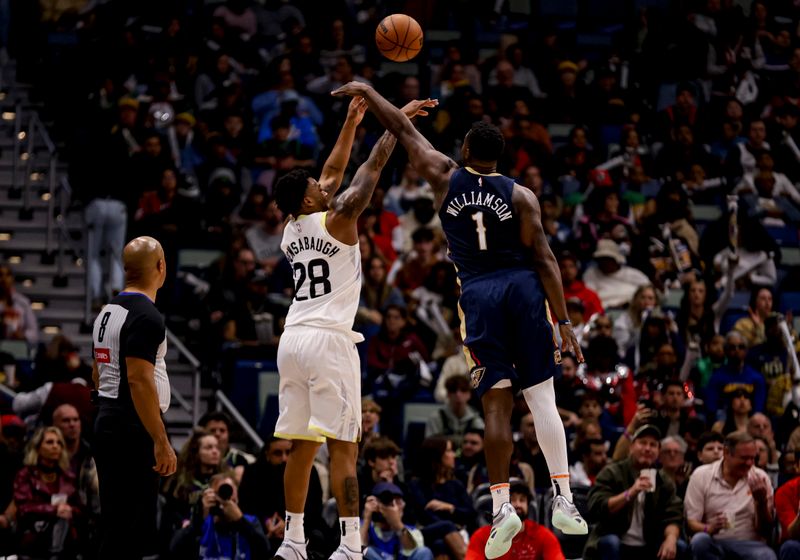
(103, 322)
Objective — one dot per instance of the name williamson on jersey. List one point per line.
(472, 198)
(307, 243)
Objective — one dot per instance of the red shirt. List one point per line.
(534, 542)
(591, 302)
(787, 498)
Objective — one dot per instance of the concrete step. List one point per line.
(16, 204)
(16, 226)
(57, 315)
(45, 272)
(43, 292)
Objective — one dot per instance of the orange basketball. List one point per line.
(399, 37)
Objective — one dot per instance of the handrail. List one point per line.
(224, 402)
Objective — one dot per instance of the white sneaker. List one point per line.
(505, 526)
(567, 518)
(345, 553)
(291, 550)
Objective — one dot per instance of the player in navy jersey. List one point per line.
(507, 273)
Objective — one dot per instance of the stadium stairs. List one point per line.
(53, 274)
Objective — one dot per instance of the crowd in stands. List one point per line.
(663, 152)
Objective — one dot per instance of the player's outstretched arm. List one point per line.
(433, 165)
(533, 236)
(333, 171)
(346, 209)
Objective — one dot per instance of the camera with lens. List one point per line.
(224, 493)
(386, 498)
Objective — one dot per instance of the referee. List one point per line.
(131, 444)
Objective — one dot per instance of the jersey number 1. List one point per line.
(317, 272)
(481, 229)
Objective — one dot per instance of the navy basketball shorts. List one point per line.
(507, 333)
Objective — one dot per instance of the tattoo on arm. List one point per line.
(350, 505)
(353, 201)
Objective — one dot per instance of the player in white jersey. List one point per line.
(320, 375)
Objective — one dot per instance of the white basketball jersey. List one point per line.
(327, 275)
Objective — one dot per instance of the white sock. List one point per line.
(541, 400)
(500, 496)
(351, 537)
(294, 527)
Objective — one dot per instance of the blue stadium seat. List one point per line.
(790, 301)
(729, 319)
(785, 236)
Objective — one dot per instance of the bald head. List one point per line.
(143, 259)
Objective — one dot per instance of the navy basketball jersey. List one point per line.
(481, 227)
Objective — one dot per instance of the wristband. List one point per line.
(626, 435)
(627, 495)
(564, 322)
(705, 528)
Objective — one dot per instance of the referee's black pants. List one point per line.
(123, 451)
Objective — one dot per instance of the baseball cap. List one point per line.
(647, 430)
(382, 487)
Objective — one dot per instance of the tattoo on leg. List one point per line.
(351, 496)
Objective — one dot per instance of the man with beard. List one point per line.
(735, 373)
(533, 542)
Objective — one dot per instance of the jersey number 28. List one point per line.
(317, 274)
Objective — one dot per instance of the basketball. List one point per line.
(399, 37)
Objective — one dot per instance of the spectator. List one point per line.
(759, 308)
(533, 542)
(673, 462)
(370, 422)
(219, 424)
(628, 326)
(81, 462)
(456, 416)
(634, 516)
(574, 287)
(737, 413)
(602, 219)
(612, 280)
(729, 505)
(771, 359)
(594, 457)
(710, 447)
(696, 317)
(380, 465)
(198, 461)
(376, 295)
(383, 531)
(261, 493)
(48, 505)
(672, 415)
(469, 455)
(787, 508)
(735, 372)
(441, 502)
(19, 322)
(218, 527)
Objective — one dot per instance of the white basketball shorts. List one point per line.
(320, 385)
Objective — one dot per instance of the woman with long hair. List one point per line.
(628, 326)
(198, 461)
(696, 315)
(440, 501)
(740, 408)
(47, 500)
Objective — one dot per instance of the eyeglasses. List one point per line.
(672, 452)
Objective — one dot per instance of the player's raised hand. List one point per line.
(570, 342)
(417, 107)
(356, 110)
(355, 89)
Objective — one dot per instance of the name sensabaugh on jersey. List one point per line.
(327, 275)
